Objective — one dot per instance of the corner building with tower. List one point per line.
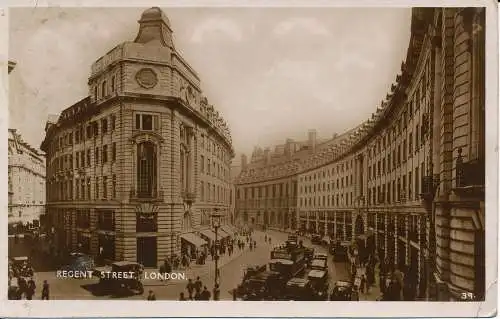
(136, 168)
(409, 182)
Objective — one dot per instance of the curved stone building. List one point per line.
(135, 169)
(410, 180)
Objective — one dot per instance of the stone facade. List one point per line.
(411, 178)
(26, 181)
(143, 160)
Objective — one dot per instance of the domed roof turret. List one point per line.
(154, 14)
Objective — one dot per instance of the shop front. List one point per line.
(192, 244)
(209, 236)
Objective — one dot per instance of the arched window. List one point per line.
(146, 170)
(103, 89)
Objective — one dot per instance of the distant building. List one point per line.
(138, 167)
(26, 185)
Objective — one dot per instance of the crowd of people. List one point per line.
(196, 289)
(21, 284)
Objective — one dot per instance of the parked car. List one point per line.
(343, 291)
(316, 239)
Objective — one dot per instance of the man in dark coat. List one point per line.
(45, 290)
(205, 294)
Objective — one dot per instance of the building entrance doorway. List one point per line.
(147, 251)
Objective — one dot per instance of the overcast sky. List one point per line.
(272, 72)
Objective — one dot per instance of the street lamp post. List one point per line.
(216, 224)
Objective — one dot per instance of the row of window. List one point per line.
(85, 132)
(328, 186)
(211, 168)
(389, 163)
(81, 189)
(400, 189)
(211, 146)
(270, 191)
(82, 159)
(339, 168)
(103, 92)
(214, 193)
(329, 200)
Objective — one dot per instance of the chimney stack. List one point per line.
(312, 140)
(267, 155)
(244, 161)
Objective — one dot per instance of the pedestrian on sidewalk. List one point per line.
(30, 289)
(216, 292)
(190, 288)
(363, 284)
(205, 294)
(182, 298)
(151, 296)
(45, 290)
(198, 284)
(197, 295)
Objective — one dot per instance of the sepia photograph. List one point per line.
(239, 153)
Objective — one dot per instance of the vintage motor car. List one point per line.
(323, 256)
(122, 275)
(343, 291)
(340, 251)
(299, 289)
(77, 261)
(308, 254)
(319, 264)
(267, 285)
(316, 239)
(253, 270)
(319, 283)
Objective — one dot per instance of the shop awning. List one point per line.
(228, 229)
(193, 239)
(208, 233)
(222, 234)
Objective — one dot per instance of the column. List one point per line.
(326, 223)
(345, 226)
(408, 245)
(335, 224)
(385, 234)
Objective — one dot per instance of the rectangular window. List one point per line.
(88, 157)
(113, 83)
(113, 187)
(96, 188)
(89, 131)
(113, 122)
(77, 160)
(96, 155)
(77, 136)
(113, 152)
(105, 154)
(104, 125)
(95, 128)
(202, 166)
(77, 182)
(202, 190)
(208, 167)
(106, 220)
(146, 122)
(105, 187)
(417, 189)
